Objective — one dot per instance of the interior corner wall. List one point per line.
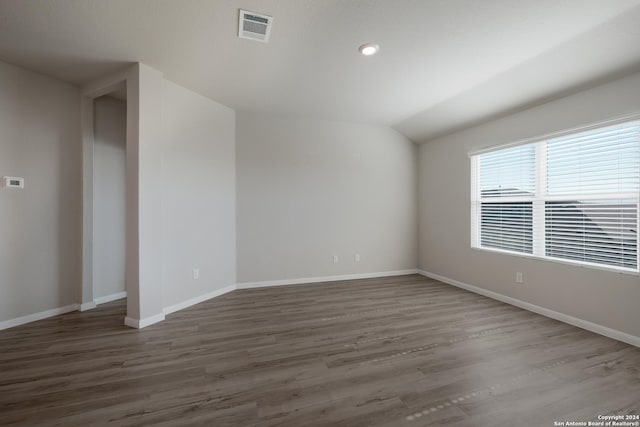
(109, 210)
(311, 189)
(40, 231)
(198, 201)
(604, 298)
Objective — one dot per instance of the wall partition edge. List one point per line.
(143, 198)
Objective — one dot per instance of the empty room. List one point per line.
(319, 213)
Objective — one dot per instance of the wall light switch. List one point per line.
(335, 258)
(196, 273)
(519, 277)
(357, 257)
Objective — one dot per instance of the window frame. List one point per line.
(540, 198)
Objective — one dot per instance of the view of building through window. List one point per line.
(573, 197)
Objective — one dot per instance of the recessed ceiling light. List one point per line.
(369, 49)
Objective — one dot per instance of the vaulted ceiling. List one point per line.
(442, 65)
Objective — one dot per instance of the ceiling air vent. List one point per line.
(254, 26)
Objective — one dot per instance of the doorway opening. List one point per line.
(109, 195)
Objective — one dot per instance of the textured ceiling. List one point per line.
(443, 64)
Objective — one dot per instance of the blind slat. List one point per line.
(602, 165)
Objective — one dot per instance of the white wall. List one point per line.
(311, 189)
(198, 200)
(608, 299)
(40, 227)
(145, 195)
(110, 135)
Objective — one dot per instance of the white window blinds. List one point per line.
(508, 173)
(573, 197)
(507, 188)
(599, 161)
(593, 181)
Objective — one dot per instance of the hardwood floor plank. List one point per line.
(389, 351)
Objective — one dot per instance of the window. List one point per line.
(571, 197)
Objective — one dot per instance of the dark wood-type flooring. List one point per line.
(397, 351)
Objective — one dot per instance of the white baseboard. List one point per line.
(131, 322)
(580, 323)
(321, 279)
(109, 298)
(5, 324)
(87, 305)
(198, 299)
(143, 323)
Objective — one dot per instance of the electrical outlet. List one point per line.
(335, 258)
(357, 257)
(519, 277)
(196, 273)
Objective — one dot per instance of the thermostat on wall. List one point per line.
(13, 182)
